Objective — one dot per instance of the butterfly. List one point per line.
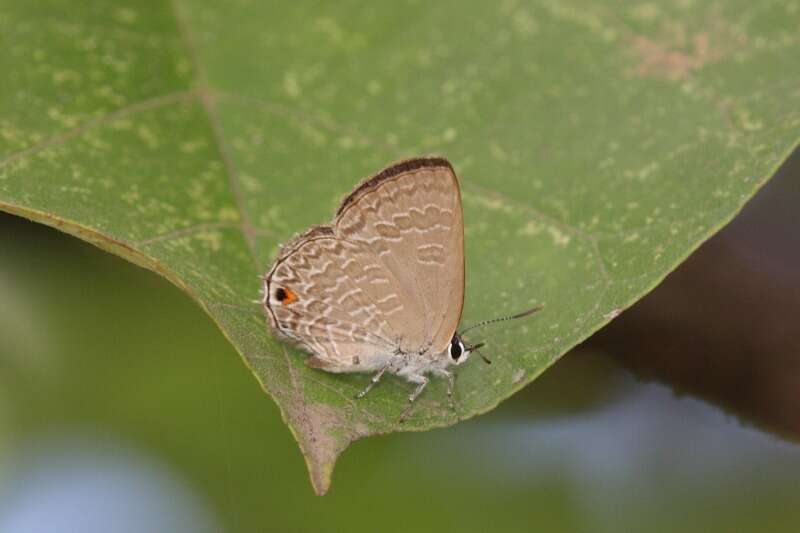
(380, 288)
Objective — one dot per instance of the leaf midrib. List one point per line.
(208, 103)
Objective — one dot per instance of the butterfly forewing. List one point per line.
(409, 218)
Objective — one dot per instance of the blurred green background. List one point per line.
(123, 408)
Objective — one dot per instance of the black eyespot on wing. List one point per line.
(455, 349)
(280, 294)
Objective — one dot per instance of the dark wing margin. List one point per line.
(401, 167)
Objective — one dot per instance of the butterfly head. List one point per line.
(459, 351)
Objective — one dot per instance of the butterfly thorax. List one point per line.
(422, 364)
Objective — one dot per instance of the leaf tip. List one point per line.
(323, 434)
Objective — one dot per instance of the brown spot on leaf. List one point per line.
(677, 54)
(658, 60)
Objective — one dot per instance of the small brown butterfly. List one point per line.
(381, 288)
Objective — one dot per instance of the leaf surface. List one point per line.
(597, 146)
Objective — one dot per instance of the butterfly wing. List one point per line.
(315, 296)
(387, 276)
(407, 222)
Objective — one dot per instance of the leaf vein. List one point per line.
(126, 111)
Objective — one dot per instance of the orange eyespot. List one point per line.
(285, 296)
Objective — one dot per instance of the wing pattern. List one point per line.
(385, 277)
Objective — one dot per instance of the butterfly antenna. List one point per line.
(523, 314)
(485, 359)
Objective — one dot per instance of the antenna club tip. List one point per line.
(529, 312)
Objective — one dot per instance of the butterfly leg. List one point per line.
(374, 381)
(421, 382)
(451, 386)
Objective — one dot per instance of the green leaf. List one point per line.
(597, 147)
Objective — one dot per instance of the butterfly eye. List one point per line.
(456, 348)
